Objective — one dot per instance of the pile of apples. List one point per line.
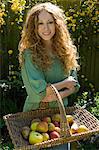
(47, 128)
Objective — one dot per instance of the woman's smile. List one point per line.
(47, 33)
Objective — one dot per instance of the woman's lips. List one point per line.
(46, 33)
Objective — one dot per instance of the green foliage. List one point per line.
(12, 94)
(87, 97)
(6, 146)
(95, 109)
(82, 21)
(92, 103)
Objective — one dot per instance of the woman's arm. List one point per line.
(69, 82)
(50, 96)
(66, 87)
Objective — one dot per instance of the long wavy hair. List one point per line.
(62, 44)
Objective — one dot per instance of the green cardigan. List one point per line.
(35, 81)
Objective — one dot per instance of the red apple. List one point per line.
(45, 136)
(54, 134)
(57, 124)
(47, 119)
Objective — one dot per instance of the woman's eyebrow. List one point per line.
(47, 20)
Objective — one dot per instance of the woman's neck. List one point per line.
(48, 44)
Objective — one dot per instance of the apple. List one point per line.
(74, 128)
(70, 119)
(33, 126)
(45, 136)
(25, 132)
(57, 124)
(82, 128)
(47, 119)
(35, 120)
(42, 126)
(54, 134)
(58, 129)
(35, 137)
(51, 127)
(56, 117)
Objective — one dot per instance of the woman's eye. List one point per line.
(50, 22)
(40, 23)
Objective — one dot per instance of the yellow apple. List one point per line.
(70, 119)
(35, 137)
(45, 136)
(82, 128)
(58, 129)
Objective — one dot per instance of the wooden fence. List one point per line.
(91, 67)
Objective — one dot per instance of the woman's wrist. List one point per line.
(59, 85)
(66, 92)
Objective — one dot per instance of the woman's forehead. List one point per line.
(45, 15)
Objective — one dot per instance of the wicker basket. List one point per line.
(16, 121)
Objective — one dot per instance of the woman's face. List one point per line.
(46, 25)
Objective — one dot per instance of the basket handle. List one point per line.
(65, 129)
(64, 126)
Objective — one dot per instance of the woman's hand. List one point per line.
(50, 96)
(70, 83)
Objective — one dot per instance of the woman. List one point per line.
(47, 56)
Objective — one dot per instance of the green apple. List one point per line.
(33, 126)
(51, 127)
(35, 137)
(25, 132)
(35, 120)
(42, 126)
(45, 136)
(56, 117)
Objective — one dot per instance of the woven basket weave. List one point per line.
(15, 122)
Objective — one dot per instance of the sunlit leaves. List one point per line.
(2, 14)
(18, 5)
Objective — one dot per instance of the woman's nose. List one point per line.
(46, 27)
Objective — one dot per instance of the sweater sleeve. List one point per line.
(33, 79)
(74, 75)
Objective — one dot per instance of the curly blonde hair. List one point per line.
(62, 44)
